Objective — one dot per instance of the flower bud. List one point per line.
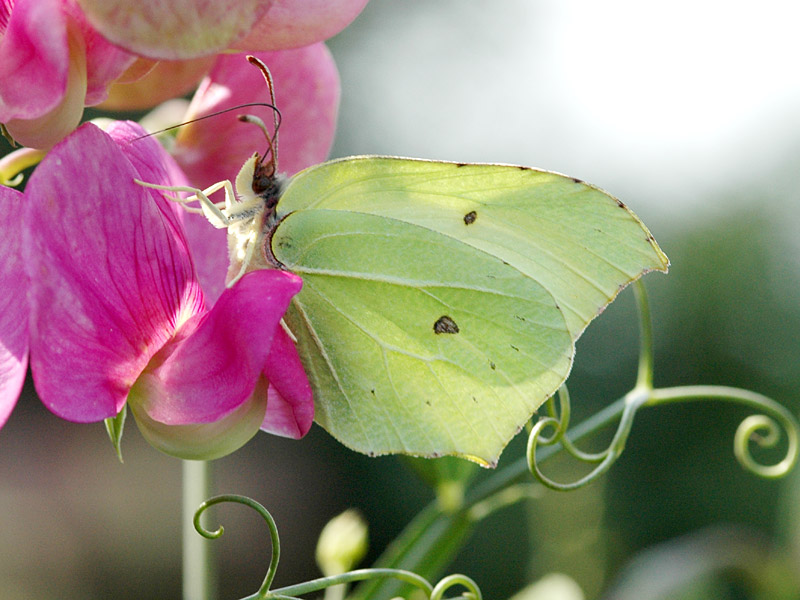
(342, 543)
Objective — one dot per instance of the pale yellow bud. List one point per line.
(342, 543)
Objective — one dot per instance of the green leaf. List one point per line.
(114, 427)
(441, 302)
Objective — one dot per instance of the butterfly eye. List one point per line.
(263, 177)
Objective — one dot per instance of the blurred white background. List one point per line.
(660, 103)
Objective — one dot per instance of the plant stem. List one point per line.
(199, 574)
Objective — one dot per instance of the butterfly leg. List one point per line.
(250, 243)
(216, 213)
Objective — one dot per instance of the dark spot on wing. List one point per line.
(470, 217)
(492, 366)
(620, 203)
(445, 324)
(514, 347)
(428, 402)
(459, 165)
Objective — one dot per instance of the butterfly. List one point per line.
(441, 301)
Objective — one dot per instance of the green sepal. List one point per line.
(115, 427)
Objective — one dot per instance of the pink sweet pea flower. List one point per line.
(307, 93)
(117, 315)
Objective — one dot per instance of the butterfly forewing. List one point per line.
(579, 243)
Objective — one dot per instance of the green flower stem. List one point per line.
(644, 377)
(199, 573)
(316, 585)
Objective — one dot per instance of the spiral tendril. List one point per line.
(633, 401)
(294, 592)
(763, 429)
(263, 591)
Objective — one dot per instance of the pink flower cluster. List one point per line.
(57, 56)
(114, 294)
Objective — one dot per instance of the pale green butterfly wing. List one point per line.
(396, 254)
(366, 321)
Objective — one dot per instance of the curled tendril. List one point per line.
(293, 592)
(763, 429)
(263, 591)
(634, 400)
(751, 430)
(473, 591)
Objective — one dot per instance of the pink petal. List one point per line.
(105, 62)
(45, 130)
(33, 60)
(307, 94)
(13, 303)
(171, 29)
(153, 164)
(290, 404)
(296, 23)
(212, 150)
(111, 279)
(215, 362)
(209, 247)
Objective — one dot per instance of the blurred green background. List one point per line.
(688, 113)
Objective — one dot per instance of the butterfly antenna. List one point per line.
(273, 140)
(208, 116)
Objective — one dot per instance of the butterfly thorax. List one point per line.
(258, 189)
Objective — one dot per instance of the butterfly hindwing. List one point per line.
(416, 343)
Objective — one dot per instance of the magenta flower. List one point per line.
(117, 315)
